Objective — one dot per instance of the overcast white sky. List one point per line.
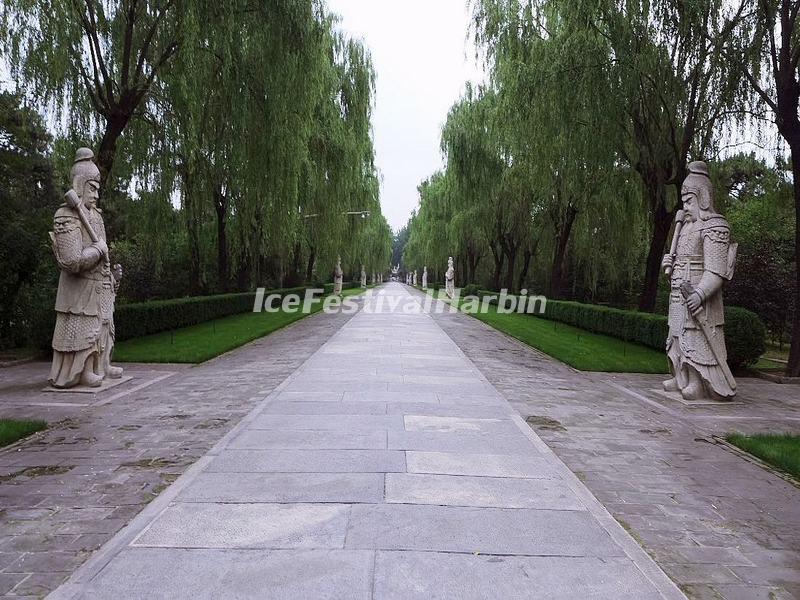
(422, 58)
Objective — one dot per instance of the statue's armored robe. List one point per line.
(84, 328)
(703, 247)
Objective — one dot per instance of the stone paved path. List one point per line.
(386, 467)
(66, 492)
(721, 527)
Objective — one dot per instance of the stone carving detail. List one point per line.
(450, 278)
(337, 277)
(701, 260)
(83, 339)
(363, 277)
(425, 278)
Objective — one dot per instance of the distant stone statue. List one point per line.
(425, 278)
(363, 277)
(701, 260)
(83, 339)
(414, 280)
(337, 277)
(450, 278)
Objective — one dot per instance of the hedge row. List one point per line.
(145, 318)
(745, 334)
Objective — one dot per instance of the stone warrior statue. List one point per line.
(363, 277)
(450, 279)
(414, 278)
(701, 260)
(425, 278)
(83, 339)
(337, 277)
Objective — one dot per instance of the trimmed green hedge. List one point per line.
(145, 318)
(745, 333)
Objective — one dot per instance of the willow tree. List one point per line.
(658, 64)
(430, 242)
(765, 52)
(355, 178)
(475, 163)
(96, 61)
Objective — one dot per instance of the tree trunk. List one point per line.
(312, 257)
(526, 265)
(221, 208)
(193, 234)
(662, 223)
(107, 151)
(562, 240)
(498, 257)
(472, 261)
(511, 253)
(793, 366)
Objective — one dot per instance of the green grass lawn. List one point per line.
(578, 348)
(781, 450)
(12, 430)
(774, 358)
(202, 342)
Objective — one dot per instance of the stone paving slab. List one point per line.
(254, 439)
(490, 492)
(325, 408)
(309, 461)
(481, 530)
(358, 423)
(332, 483)
(285, 487)
(470, 443)
(241, 574)
(444, 576)
(485, 465)
(261, 525)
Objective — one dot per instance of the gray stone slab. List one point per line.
(461, 399)
(325, 408)
(458, 424)
(309, 461)
(247, 526)
(340, 423)
(476, 388)
(482, 530)
(288, 396)
(312, 386)
(497, 492)
(390, 397)
(285, 487)
(243, 574)
(449, 410)
(484, 465)
(471, 443)
(252, 439)
(443, 576)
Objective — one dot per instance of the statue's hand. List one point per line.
(102, 247)
(666, 262)
(694, 302)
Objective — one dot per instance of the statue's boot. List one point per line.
(90, 379)
(695, 390)
(114, 372)
(671, 385)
